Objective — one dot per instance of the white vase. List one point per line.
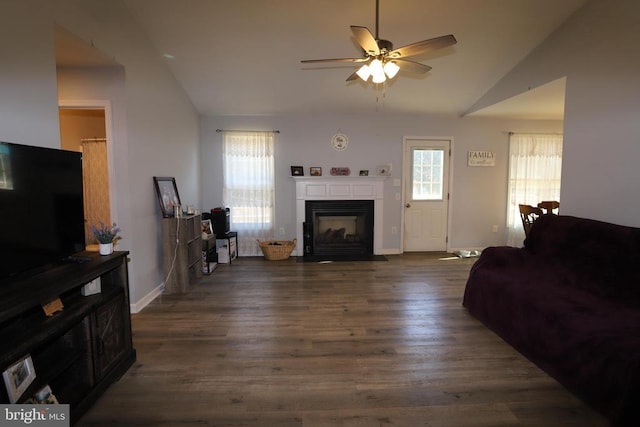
(106, 248)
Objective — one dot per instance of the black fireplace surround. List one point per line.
(335, 228)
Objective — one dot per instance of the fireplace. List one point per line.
(340, 189)
(338, 228)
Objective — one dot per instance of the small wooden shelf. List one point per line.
(209, 255)
(181, 252)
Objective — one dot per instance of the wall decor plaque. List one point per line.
(481, 158)
(340, 171)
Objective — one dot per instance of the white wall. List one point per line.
(478, 195)
(156, 128)
(597, 49)
(602, 149)
(28, 113)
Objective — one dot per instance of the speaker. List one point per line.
(220, 220)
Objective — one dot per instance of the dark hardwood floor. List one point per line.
(284, 343)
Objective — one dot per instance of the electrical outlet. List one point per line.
(397, 196)
(282, 231)
(495, 228)
(394, 229)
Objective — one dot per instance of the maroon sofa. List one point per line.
(570, 302)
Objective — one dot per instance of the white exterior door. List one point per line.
(426, 194)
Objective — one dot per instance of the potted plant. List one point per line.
(106, 235)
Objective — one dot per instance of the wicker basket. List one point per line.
(275, 250)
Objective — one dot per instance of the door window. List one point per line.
(428, 173)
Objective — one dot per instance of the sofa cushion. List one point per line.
(594, 255)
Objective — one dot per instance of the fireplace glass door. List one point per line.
(339, 227)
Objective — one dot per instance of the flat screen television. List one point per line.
(41, 208)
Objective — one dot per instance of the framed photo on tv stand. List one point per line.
(18, 377)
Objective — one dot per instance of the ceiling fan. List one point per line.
(381, 60)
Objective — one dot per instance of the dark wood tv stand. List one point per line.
(80, 350)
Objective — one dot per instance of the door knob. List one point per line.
(408, 205)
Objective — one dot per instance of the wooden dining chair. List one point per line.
(549, 206)
(528, 214)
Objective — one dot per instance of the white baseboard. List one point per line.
(146, 300)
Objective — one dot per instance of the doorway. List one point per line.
(85, 130)
(426, 194)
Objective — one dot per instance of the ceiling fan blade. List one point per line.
(423, 46)
(412, 66)
(366, 40)
(308, 61)
(353, 76)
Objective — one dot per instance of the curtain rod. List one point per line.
(537, 133)
(242, 130)
(93, 139)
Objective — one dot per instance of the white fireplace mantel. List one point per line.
(340, 188)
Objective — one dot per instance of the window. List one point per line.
(535, 164)
(428, 170)
(249, 186)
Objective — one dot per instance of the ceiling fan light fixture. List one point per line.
(377, 71)
(382, 60)
(391, 69)
(364, 72)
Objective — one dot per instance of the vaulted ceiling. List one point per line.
(242, 57)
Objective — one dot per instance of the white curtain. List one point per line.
(535, 163)
(249, 187)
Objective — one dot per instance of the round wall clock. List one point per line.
(339, 141)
